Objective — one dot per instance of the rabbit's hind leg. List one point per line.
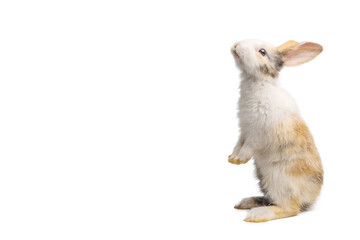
(264, 214)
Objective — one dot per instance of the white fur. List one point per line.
(262, 106)
(260, 213)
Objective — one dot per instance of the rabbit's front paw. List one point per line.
(236, 160)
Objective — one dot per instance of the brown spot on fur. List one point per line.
(292, 136)
(269, 70)
(273, 65)
(262, 201)
(294, 143)
(261, 58)
(253, 202)
(291, 210)
(277, 60)
(307, 167)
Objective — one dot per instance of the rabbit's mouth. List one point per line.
(236, 55)
(233, 52)
(238, 58)
(239, 63)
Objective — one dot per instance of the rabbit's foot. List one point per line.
(236, 160)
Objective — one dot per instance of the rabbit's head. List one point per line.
(262, 60)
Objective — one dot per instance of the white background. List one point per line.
(117, 117)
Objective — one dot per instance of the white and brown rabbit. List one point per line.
(287, 162)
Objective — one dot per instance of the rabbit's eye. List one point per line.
(262, 52)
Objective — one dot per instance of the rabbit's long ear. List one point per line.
(294, 53)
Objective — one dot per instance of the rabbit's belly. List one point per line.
(256, 120)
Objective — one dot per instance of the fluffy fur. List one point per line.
(273, 133)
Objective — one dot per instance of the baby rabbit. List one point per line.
(287, 162)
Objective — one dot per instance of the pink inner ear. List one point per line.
(302, 54)
(298, 58)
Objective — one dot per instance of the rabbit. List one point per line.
(272, 132)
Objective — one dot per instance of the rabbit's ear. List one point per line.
(294, 53)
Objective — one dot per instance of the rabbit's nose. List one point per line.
(236, 44)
